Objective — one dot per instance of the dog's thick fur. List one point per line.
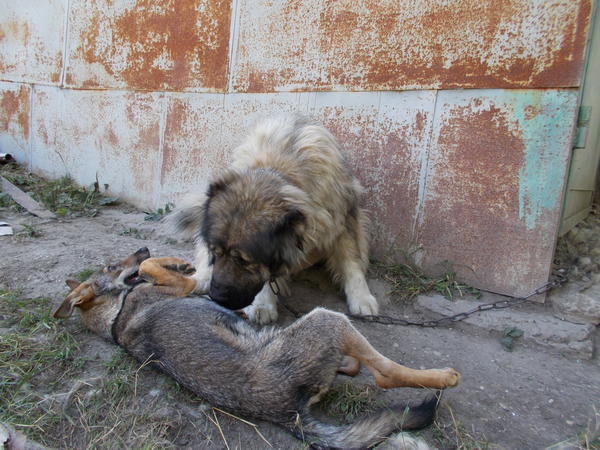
(273, 374)
(287, 201)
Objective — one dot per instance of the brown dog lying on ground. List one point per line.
(273, 374)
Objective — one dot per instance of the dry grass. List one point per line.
(589, 439)
(408, 281)
(453, 434)
(57, 398)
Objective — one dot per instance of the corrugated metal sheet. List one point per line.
(385, 137)
(492, 198)
(200, 133)
(179, 45)
(112, 136)
(473, 177)
(389, 45)
(32, 39)
(15, 113)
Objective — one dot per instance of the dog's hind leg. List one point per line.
(350, 366)
(169, 275)
(335, 327)
(263, 309)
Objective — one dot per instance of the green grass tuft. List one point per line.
(346, 401)
(85, 274)
(61, 196)
(408, 282)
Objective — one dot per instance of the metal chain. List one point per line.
(558, 280)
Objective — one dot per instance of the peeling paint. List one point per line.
(202, 131)
(543, 117)
(175, 45)
(112, 137)
(14, 120)
(369, 45)
(31, 41)
(495, 177)
(384, 137)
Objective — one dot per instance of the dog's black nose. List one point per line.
(229, 296)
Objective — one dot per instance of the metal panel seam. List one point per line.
(161, 141)
(65, 58)
(30, 156)
(423, 172)
(233, 41)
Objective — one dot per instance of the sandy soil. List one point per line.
(528, 398)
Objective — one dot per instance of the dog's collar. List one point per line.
(113, 329)
(274, 286)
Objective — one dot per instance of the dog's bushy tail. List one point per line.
(368, 431)
(187, 217)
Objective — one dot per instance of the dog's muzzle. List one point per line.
(232, 297)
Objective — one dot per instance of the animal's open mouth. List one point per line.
(133, 279)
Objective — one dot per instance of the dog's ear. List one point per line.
(295, 221)
(287, 237)
(72, 284)
(220, 184)
(81, 294)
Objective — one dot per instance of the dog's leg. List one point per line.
(263, 309)
(348, 262)
(350, 366)
(168, 274)
(337, 330)
(203, 269)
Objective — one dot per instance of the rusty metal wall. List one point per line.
(152, 96)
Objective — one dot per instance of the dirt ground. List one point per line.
(95, 396)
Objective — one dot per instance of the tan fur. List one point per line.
(272, 374)
(288, 170)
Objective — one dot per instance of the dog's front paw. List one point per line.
(363, 306)
(261, 313)
(184, 268)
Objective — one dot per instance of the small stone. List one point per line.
(578, 306)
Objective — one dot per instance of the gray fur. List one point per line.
(270, 374)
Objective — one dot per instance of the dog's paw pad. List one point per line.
(261, 314)
(186, 269)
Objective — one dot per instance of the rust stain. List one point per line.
(31, 43)
(173, 45)
(381, 156)
(176, 118)
(14, 109)
(472, 204)
(480, 166)
(570, 57)
(18, 30)
(368, 45)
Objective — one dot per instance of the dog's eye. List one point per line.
(111, 268)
